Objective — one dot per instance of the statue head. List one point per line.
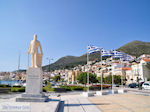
(35, 37)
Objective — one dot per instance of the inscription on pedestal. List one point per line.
(34, 87)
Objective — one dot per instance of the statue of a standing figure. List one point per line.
(34, 79)
(35, 47)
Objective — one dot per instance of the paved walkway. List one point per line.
(77, 103)
(8, 104)
(127, 102)
(122, 103)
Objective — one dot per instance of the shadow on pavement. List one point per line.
(86, 104)
(61, 107)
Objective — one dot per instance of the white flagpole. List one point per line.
(121, 72)
(88, 70)
(112, 80)
(112, 76)
(102, 71)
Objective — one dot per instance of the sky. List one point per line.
(66, 27)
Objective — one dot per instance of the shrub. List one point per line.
(17, 86)
(77, 88)
(48, 88)
(17, 89)
(59, 89)
(72, 88)
(66, 87)
(3, 85)
(44, 90)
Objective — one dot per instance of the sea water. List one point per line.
(9, 82)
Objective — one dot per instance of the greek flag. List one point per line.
(106, 53)
(127, 57)
(92, 49)
(118, 54)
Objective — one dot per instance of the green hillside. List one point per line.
(136, 48)
(71, 61)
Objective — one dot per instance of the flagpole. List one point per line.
(112, 80)
(88, 71)
(121, 73)
(102, 71)
(112, 75)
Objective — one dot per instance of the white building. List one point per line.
(141, 70)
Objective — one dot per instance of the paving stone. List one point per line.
(123, 103)
(78, 103)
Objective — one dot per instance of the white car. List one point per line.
(24, 84)
(146, 85)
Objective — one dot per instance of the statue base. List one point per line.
(34, 87)
(32, 99)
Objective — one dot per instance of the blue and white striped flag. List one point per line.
(128, 57)
(92, 49)
(118, 54)
(106, 53)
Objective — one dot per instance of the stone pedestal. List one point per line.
(34, 87)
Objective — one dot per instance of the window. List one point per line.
(146, 84)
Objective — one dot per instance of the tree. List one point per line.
(99, 79)
(82, 78)
(117, 79)
(108, 79)
(57, 78)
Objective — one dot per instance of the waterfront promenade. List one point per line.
(74, 102)
(128, 102)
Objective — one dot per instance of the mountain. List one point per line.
(135, 48)
(68, 62)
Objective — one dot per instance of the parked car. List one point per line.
(115, 85)
(24, 84)
(133, 85)
(146, 85)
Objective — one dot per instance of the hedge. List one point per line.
(18, 89)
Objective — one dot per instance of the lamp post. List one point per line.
(138, 74)
(49, 61)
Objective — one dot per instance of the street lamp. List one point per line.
(49, 60)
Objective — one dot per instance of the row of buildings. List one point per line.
(134, 71)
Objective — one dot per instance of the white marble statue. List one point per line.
(35, 50)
